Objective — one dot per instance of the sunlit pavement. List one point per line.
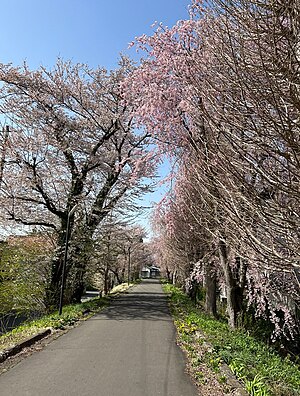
(129, 349)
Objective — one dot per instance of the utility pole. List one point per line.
(129, 263)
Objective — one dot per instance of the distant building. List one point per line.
(150, 272)
(145, 272)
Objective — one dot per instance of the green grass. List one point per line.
(70, 315)
(262, 371)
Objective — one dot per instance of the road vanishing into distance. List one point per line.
(129, 349)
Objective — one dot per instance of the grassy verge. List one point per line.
(70, 315)
(259, 368)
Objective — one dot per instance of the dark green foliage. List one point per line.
(257, 365)
(24, 273)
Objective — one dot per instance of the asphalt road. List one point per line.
(127, 350)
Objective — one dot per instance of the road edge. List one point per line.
(24, 344)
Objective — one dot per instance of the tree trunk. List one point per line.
(211, 291)
(77, 285)
(193, 292)
(123, 275)
(106, 281)
(80, 259)
(53, 287)
(232, 289)
(168, 274)
(116, 276)
(84, 235)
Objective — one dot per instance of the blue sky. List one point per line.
(87, 31)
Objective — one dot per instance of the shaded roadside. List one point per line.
(127, 349)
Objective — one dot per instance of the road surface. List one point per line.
(127, 350)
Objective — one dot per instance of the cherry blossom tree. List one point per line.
(119, 252)
(220, 90)
(73, 154)
(186, 243)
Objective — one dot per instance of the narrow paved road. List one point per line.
(127, 350)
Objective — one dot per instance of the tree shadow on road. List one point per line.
(137, 306)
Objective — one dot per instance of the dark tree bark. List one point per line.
(211, 291)
(234, 289)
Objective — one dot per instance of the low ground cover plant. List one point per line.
(258, 367)
(70, 315)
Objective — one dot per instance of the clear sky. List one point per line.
(86, 31)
